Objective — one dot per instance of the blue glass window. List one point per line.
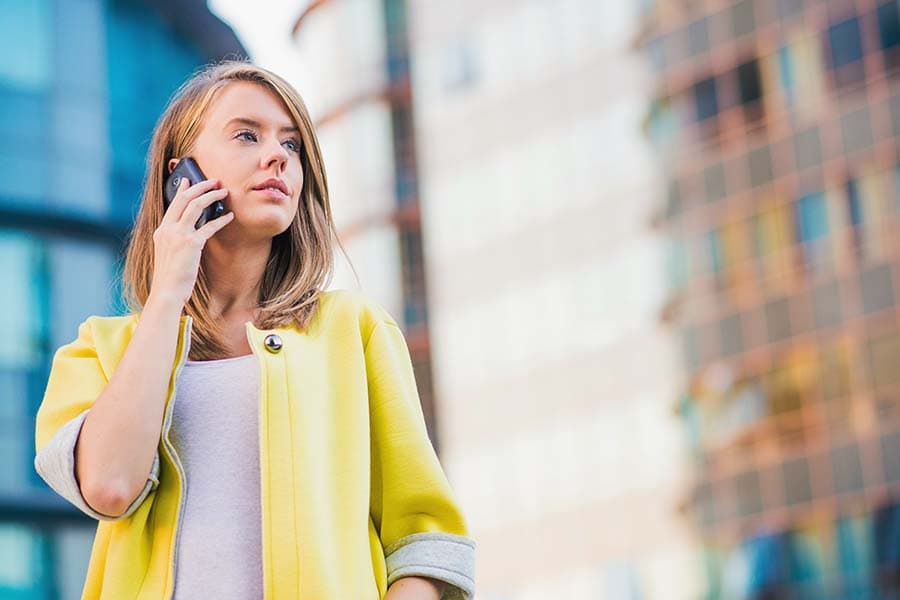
(786, 73)
(705, 99)
(26, 30)
(853, 205)
(846, 42)
(889, 25)
(812, 217)
(749, 81)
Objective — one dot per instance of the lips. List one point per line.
(273, 183)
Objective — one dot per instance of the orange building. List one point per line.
(777, 122)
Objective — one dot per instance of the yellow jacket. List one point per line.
(352, 494)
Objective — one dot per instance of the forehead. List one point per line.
(245, 99)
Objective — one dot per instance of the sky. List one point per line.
(264, 27)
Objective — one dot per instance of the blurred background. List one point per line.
(641, 252)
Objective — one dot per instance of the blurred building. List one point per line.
(553, 376)
(81, 86)
(359, 94)
(778, 124)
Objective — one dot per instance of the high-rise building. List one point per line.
(553, 376)
(359, 94)
(777, 122)
(81, 86)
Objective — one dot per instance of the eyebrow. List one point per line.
(257, 124)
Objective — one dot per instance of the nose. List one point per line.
(275, 154)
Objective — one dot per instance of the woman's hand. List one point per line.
(177, 245)
(415, 588)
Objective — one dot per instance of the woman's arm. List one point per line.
(415, 588)
(418, 520)
(117, 444)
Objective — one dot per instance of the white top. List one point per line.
(215, 432)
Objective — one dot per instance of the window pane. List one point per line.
(877, 289)
(749, 82)
(731, 335)
(689, 348)
(748, 494)
(797, 487)
(786, 73)
(21, 314)
(854, 208)
(884, 356)
(846, 469)
(856, 130)
(826, 304)
(834, 374)
(890, 456)
(81, 276)
(714, 243)
(846, 43)
(812, 217)
(742, 18)
(760, 166)
(889, 25)
(787, 8)
(808, 148)
(714, 182)
(707, 103)
(778, 320)
(27, 33)
(698, 37)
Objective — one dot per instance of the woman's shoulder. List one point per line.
(108, 328)
(106, 323)
(353, 300)
(358, 305)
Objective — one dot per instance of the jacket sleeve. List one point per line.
(76, 380)
(420, 525)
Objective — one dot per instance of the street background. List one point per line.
(643, 253)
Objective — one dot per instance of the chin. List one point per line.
(269, 228)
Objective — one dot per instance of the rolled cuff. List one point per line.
(443, 556)
(55, 463)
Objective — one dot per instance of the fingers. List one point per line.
(184, 195)
(198, 204)
(211, 227)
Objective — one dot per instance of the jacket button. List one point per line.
(273, 343)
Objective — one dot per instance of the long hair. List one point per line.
(301, 262)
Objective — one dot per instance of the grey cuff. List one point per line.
(55, 463)
(444, 556)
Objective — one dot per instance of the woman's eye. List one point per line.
(293, 144)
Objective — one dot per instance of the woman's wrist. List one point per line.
(415, 588)
(164, 303)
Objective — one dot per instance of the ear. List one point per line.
(172, 163)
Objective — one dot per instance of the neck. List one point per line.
(234, 272)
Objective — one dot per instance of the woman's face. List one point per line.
(247, 138)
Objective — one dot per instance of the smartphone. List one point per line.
(187, 168)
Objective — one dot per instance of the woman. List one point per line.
(243, 433)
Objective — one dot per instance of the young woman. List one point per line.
(244, 434)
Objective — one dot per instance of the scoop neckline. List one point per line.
(217, 360)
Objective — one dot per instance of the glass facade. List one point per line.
(783, 240)
(81, 86)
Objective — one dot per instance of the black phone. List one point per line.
(187, 168)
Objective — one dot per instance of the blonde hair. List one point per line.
(301, 262)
